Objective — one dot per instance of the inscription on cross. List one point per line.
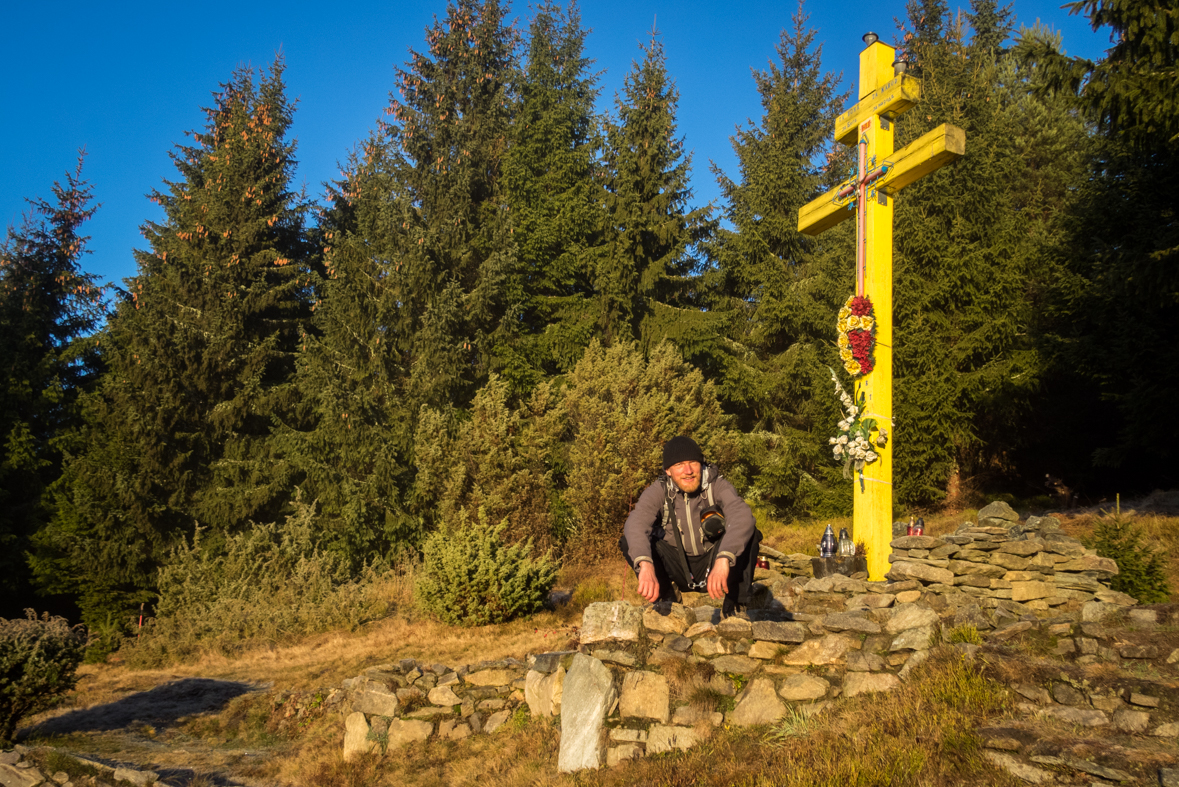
(885, 91)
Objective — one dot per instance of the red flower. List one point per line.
(860, 306)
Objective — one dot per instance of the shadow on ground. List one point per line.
(160, 707)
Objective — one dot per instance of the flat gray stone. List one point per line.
(1021, 548)
(825, 650)
(869, 683)
(737, 665)
(605, 621)
(492, 677)
(1132, 721)
(133, 776)
(1168, 777)
(1139, 652)
(1083, 717)
(587, 696)
(548, 662)
(905, 569)
(772, 631)
(1167, 730)
(847, 621)
(803, 688)
(758, 704)
(910, 616)
(1018, 768)
(662, 738)
(912, 639)
(11, 776)
(644, 695)
(917, 542)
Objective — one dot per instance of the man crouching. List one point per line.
(691, 528)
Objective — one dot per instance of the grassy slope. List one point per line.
(923, 735)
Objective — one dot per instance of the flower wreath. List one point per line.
(857, 335)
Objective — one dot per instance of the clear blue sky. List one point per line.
(126, 79)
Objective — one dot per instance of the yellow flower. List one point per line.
(843, 343)
(845, 355)
(853, 367)
(841, 326)
(844, 313)
(853, 322)
(866, 323)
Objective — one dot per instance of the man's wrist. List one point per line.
(728, 556)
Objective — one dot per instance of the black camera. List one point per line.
(712, 522)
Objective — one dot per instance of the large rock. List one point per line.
(587, 697)
(758, 704)
(663, 738)
(376, 703)
(772, 631)
(605, 621)
(998, 510)
(869, 682)
(356, 740)
(904, 569)
(803, 688)
(825, 650)
(1132, 721)
(910, 616)
(737, 665)
(667, 618)
(1009, 561)
(644, 695)
(917, 542)
(543, 692)
(133, 776)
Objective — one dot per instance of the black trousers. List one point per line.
(669, 570)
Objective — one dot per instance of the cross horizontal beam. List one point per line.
(914, 161)
(892, 98)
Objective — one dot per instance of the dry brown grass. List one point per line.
(924, 735)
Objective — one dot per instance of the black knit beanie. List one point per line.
(681, 449)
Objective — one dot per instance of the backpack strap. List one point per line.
(670, 518)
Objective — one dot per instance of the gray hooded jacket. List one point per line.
(648, 512)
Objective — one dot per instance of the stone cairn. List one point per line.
(805, 643)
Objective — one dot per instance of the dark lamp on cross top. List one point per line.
(885, 92)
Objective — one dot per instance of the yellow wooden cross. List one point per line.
(885, 92)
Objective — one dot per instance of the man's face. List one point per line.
(686, 476)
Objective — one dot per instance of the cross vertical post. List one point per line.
(884, 92)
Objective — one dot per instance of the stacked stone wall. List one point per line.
(626, 691)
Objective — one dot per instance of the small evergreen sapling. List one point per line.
(1141, 573)
(470, 578)
(38, 660)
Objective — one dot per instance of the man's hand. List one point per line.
(718, 579)
(648, 584)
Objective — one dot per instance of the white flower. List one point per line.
(842, 426)
(833, 440)
(871, 456)
(852, 410)
(843, 439)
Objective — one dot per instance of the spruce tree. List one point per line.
(48, 308)
(646, 272)
(199, 361)
(417, 247)
(552, 185)
(777, 290)
(964, 363)
(1118, 292)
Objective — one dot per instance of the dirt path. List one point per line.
(148, 730)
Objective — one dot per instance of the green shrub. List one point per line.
(269, 583)
(470, 578)
(966, 633)
(1141, 571)
(38, 661)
